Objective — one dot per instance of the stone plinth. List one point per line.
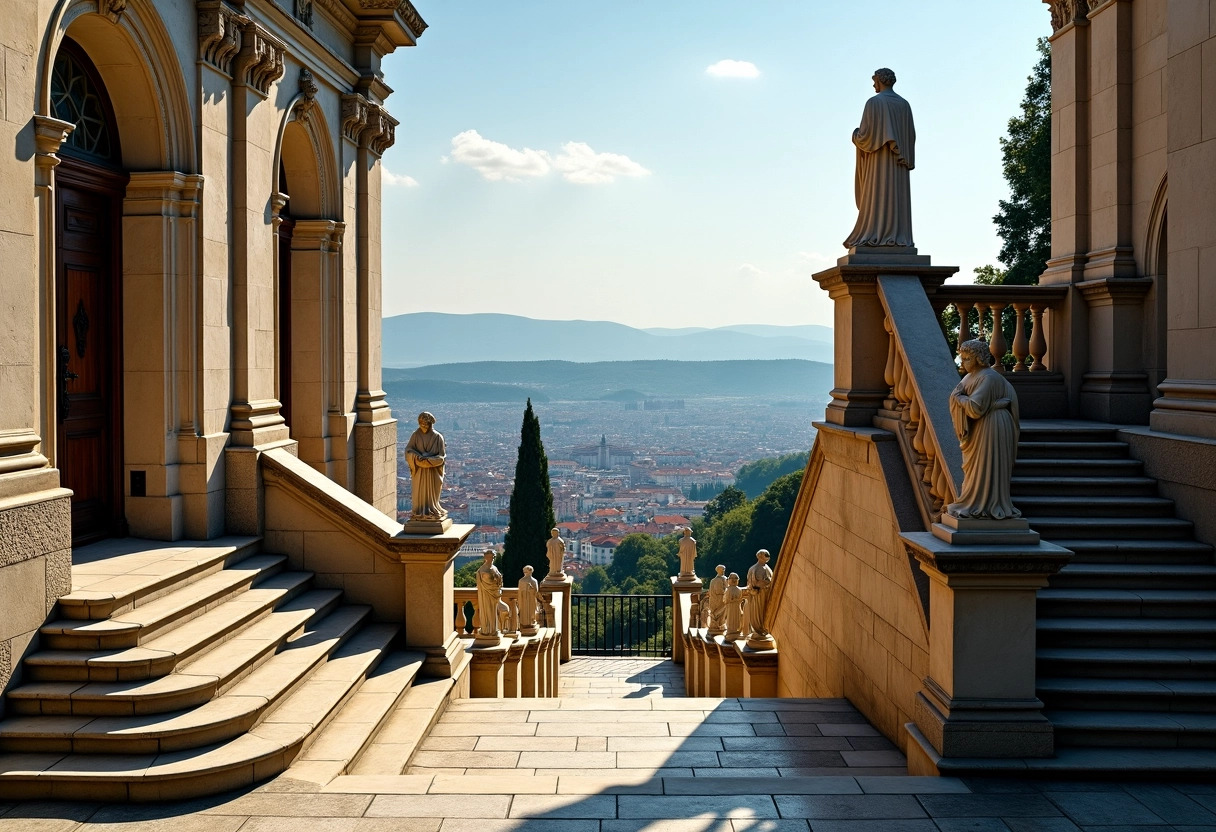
(529, 684)
(730, 667)
(692, 665)
(682, 590)
(967, 531)
(713, 666)
(759, 670)
(860, 355)
(979, 697)
(512, 672)
(564, 585)
(428, 610)
(486, 671)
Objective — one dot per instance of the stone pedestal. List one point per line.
(486, 669)
(429, 602)
(564, 585)
(713, 666)
(860, 356)
(759, 670)
(730, 667)
(512, 672)
(692, 665)
(529, 681)
(966, 531)
(979, 698)
(682, 587)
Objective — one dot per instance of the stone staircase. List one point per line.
(1127, 630)
(174, 670)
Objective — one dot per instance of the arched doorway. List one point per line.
(286, 226)
(89, 184)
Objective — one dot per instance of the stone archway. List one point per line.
(1156, 266)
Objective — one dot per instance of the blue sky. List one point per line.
(576, 160)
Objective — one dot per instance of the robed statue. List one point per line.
(759, 588)
(688, 556)
(489, 593)
(717, 601)
(886, 152)
(984, 410)
(425, 454)
(529, 591)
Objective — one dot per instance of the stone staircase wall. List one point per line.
(847, 611)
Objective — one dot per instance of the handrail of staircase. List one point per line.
(920, 373)
(1031, 344)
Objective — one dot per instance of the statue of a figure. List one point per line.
(717, 601)
(734, 608)
(759, 586)
(688, 556)
(529, 591)
(704, 621)
(886, 152)
(556, 548)
(984, 409)
(425, 453)
(489, 591)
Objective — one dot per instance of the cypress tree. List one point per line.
(531, 506)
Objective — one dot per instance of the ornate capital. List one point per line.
(219, 33)
(1066, 12)
(354, 116)
(260, 61)
(308, 95)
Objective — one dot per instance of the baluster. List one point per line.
(1021, 344)
(476, 615)
(460, 621)
(997, 345)
(903, 392)
(1038, 338)
(888, 374)
(940, 490)
(964, 321)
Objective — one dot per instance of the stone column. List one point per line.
(429, 602)
(682, 592)
(860, 355)
(979, 698)
(565, 586)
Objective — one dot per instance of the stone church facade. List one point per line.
(191, 270)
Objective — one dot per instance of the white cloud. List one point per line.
(749, 272)
(397, 180)
(580, 164)
(496, 161)
(733, 69)
(812, 261)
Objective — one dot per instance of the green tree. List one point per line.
(756, 476)
(661, 554)
(596, 581)
(730, 498)
(725, 541)
(771, 515)
(531, 515)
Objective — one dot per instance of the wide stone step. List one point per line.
(1071, 450)
(1081, 486)
(1033, 430)
(139, 624)
(1126, 663)
(162, 654)
(1058, 505)
(1132, 575)
(1183, 695)
(115, 575)
(264, 751)
(193, 683)
(1111, 528)
(1133, 729)
(1127, 632)
(1055, 468)
(1127, 603)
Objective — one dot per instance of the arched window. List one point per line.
(79, 97)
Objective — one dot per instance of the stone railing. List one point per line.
(520, 665)
(720, 664)
(1031, 345)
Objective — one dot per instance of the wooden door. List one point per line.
(88, 347)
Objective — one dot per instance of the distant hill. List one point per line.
(574, 381)
(424, 338)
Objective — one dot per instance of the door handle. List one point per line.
(65, 375)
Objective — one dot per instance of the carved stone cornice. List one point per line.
(260, 61)
(379, 134)
(219, 33)
(1066, 12)
(308, 95)
(404, 8)
(354, 116)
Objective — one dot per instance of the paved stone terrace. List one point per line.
(648, 792)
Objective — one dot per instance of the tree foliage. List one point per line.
(756, 476)
(531, 515)
(729, 498)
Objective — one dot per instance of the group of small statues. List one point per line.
(733, 611)
(489, 593)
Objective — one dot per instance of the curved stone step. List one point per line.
(1111, 528)
(116, 575)
(1136, 575)
(1034, 449)
(193, 682)
(1127, 632)
(162, 654)
(139, 624)
(1126, 663)
(1126, 603)
(1081, 486)
(1185, 695)
(1057, 505)
(263, 752)
(1133, 729)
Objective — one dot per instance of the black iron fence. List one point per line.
(621, 625)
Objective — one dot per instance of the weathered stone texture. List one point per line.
(849, 621)
(58, 576)
(32, 530)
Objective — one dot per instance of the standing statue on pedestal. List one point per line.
(984, 409)
(734, 608)
(529, 591)
(556, 549)
(759, 587)
(886, 152)
(704, 620)
(489, 591)
(688, 557)
(717, 601)
(425, 454)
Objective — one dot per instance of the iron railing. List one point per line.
(621, 625)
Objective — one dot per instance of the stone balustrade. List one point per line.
(718, 664)
(519, 665)
(1031, 345)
